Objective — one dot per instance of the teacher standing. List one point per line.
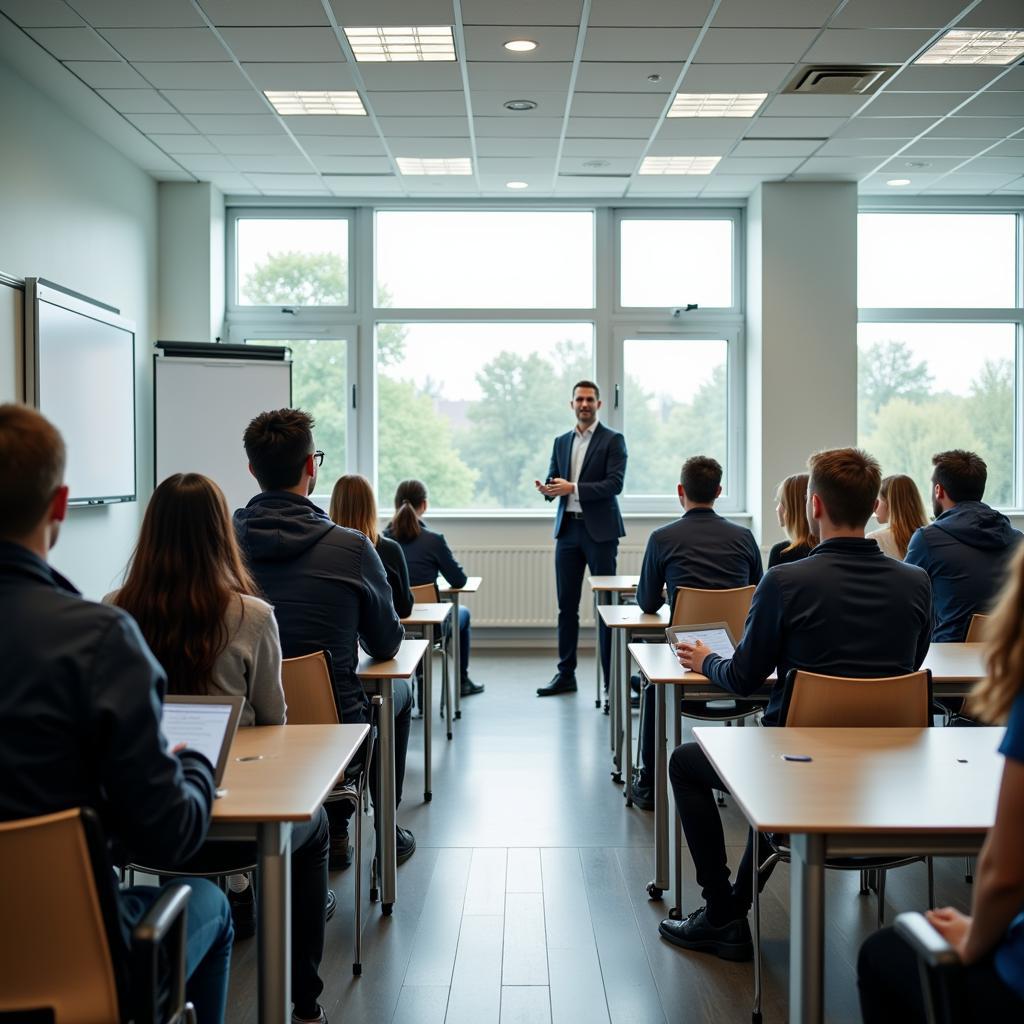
(587, 468)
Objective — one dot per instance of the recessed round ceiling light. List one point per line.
(654, 78)
(596, 163)
(918, 163)
(520, 45)
(520, 105)
(516, 184)
(898, 182)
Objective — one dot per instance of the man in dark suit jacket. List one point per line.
(587, 469)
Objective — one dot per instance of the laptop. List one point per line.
(206, 724)
(716, 635)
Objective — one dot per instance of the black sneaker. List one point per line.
(406, 843)
(643, 793)
(340, 856)
(332, 905)
(468, 688)
(730, 941)
(243, 912)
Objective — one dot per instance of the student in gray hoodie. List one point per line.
(966, 549)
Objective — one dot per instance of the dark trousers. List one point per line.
(693, 781)
(464, 640)
(890, 986)
(576, 551)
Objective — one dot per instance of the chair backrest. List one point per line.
(731, 606)
(816, 701)
(308, 691)
(976, 630)
(425, 593)
(59, 918)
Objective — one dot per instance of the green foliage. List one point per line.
(298, 279)
(886, 370)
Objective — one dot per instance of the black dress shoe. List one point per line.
(730, 941)
(643, 794)
(243, 912)
(468, 688)
(405, 842)
(331, 906)
(340, 856)
(558, 684)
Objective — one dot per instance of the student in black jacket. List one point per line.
(700, 549)
(791, 509)
(80, 709)
(844, 610)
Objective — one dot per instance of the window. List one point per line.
(291, 261)
(473, 408)
(466, 259)
(938, 343)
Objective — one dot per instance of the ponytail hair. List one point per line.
(405, 525)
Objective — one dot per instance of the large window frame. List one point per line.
(612, 325)
(980, 315)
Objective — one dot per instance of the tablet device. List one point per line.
(715, 635)
(206, 724)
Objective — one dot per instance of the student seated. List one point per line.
(700, 549)
(80, 709)
(354, 506)
(990, 942)
(844, 610)
(966, 548)
(428, 556)
(900, 511)
(327, 585)
(196, 605)
(791, 510)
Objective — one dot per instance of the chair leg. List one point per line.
(969, 870)
(755, 1014)
(357, 963)
(931, 882)
(864, 887)
(720, 798)
(881, 896)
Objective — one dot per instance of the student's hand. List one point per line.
(178, 748)
(691, 656)
(556, 487)
(954, 927)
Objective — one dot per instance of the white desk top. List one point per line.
(471, 587)
(631, 616)
(621, 584)
(428, 614)
(401, 666)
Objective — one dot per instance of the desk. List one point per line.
(624, 621)
(383, 674)
(607, 590)
(427, 617)
(276, 776)
(867, 792)
(444, 590)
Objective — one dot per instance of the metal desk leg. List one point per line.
(446, 653)
(428, 704)
(615, 708)
(676, 835)
(627, 713)
(599, 599)
(457, 648)
(274, 941)
(807, 930)
(656, 889)
(386, 844)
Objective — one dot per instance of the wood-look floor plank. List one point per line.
(525, 1005)
(524, 873)
(476, 983)
(525, 959)
(485, 892)
(421, 1004)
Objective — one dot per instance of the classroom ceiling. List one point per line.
(190, 76)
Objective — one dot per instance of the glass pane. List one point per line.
(300, 262)
(926, 388)
(461, 259)
(675, 404)
(674, 262)
(473, 409)
(320, 387)
(936, 259)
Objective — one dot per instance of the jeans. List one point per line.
(446, 630)
(576, 551)
(890, 986)
(209, 934)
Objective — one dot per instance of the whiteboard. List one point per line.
(202, 407)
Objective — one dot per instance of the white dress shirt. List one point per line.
(580, 444)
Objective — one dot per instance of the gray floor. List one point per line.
(525, 902)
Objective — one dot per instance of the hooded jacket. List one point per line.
(964, 552)
(327, 585)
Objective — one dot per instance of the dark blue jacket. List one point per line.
(428, 556)
(326, 583)
(80, 709)
(844, 610)
(600, 481)
(700, 549)
(965, 552)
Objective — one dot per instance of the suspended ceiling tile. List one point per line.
(107, 74)
(512, 146)
(165, 44)
(267, 145)
(291, 182)
(650, 13)
(690, 147)
(281, 45)
(341, 145)
(162, 124)
(813, 106)
(776, 147)
(138, 13)
(329, 124)
(994, 14)
(207, 163)
(294, 164)
(915, 104)
(861, 147)
(627, 76)
(915, 166)
(604, 147)
(611, 127)
(353, 164)
(522, 167)
(307, 75)
(73, 43)
(437, 126)
(1012, 147)
(487, 43)
(536, 182)
(609, 165)
(793, 127)
(735, 184)
(531, 12)
(364, 13)
(220, 74)
(183, 145)
(638, 44)
(929, 146)
(996, 165)
(983, 183)
(236, 184)
(40, 13)
(759, 165)
(905, 14)
(497, 127)
(735, 77)
(216, 101)
(943, 78)
(491, 103)
(236, 124)
(977, 127)
(668, 185)
(884, 127)
(592, 185)
(849, 166)
(867, 46)
(994, 104)
(780, 13)
(410, 77)
(440, 184)
(429, 147)
(415, 104)
(705, 128)
(754, 46)
(610, 104)
(265, 12)
(169, 174)
(136, 101)
(498, 77)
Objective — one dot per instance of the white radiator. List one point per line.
(518, 586)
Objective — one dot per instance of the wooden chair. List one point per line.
(65, 953)
(976, 629)
(309, 694)
(427, 593)
(818, 701)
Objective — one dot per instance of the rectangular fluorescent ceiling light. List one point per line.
(679, 164)
(432, 165)
(716, 104)
(975, 46)
(316, 102)
(394, 44)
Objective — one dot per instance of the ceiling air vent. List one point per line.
(832, 80)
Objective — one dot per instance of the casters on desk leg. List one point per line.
(374, 881)
(597, 703)
(629, 802)
(458, 714)
(427, 797)
(606, 708)
(374, 894)
(386, 908)
(357, 970)
(653, 892)
(449, 735)
(720, 798)
(675, 914)
(617, 778)
(755, 1017)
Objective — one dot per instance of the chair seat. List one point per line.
(720, 710)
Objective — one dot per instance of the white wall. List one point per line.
(75, 211)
